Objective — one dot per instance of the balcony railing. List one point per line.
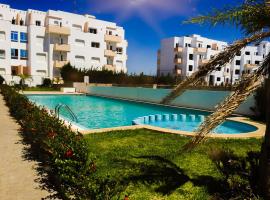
(109, 67)
(200, 50)
(177, 60)
(58, 30)
(250, 65)
(61, 47)
(109, 53)
(203, 61)
(59, 64)
(112, 38)
(178, 49)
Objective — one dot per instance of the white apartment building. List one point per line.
(181, 56)
(39, 43)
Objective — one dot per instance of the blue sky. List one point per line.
(146, 22)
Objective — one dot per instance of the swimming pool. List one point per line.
(97, 112)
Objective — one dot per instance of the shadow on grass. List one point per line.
(168, 176)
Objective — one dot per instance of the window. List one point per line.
(1, 16)
(218, 78)
(199, 45)
(190, 68)
(93, 30)
(119, 50)
(247, 53)
(14, 53)
(2, 35)
(188, 45)
(190, 56)
(257, 62)
(21, 22)
(23, 37)
(38, 23)
(228, 70)
(237, 62)
(23, 54)
(95, 44)
(218, 68)
(56, 22)
(14, 36)
(41, 57)
(208, 46)
(2, 54)
(77, 27)
(13, 21)
(238, 53)
(237, 71)
(95, 60)
(248, 61)
(79, 42)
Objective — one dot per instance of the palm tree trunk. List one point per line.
(265, 151)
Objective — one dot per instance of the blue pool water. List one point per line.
(98, 112)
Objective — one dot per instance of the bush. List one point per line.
(47, 82)
(1, 80)
(260, 103)
(64, 154)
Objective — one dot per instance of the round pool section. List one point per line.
(190, 123)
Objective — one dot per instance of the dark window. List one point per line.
(23, 37)
(13, 21)
(264, 46)
(257, 62)
(237, 71)
(93, 30)
(38, 23)
(218, 68)
(21, 22)
(188, 45)
(208, 46)
(247, 53)
(238, 53)
(14, 71)
(237, 62)
(199, 45)
(14, 53)
(248, 61)
(23, 54)
(190, 68)
(190, 56)
(228, 70)
(218, 79)
(95, 44)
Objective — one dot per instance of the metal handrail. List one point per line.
(59, 106)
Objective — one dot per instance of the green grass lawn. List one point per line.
(150, 165)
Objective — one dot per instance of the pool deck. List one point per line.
(18, 177)
(255, 134)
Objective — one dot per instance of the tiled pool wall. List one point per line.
(199, 99)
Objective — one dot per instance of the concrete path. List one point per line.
(17, 175)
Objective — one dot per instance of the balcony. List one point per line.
(178, 49)
(109, 67)
(58, 30)
(61, 47)
(109, 53)
(203, 61)
(200, 50)
(59, 64)
(177, 61)
(112, 38)
(250, 66)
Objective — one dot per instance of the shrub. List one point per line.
(260, 103)
(1, 80)
(47, 82)
(64, 152)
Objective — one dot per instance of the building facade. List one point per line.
(39, 43)
(181, 56)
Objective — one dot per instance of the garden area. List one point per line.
(137, 164)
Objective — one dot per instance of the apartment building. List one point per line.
(181, 56)
(39, 43)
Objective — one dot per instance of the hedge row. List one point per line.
(64, 155)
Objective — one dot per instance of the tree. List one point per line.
(252, 17)
(23, 78)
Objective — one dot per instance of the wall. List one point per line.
(201, 99)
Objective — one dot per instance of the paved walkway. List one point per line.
(17, 176)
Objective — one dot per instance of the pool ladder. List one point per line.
(59, 106)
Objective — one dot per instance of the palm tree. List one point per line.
(253, 17)
(23, 78)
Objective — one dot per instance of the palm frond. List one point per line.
(252, 16)
(245, 88)
(218, 61)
